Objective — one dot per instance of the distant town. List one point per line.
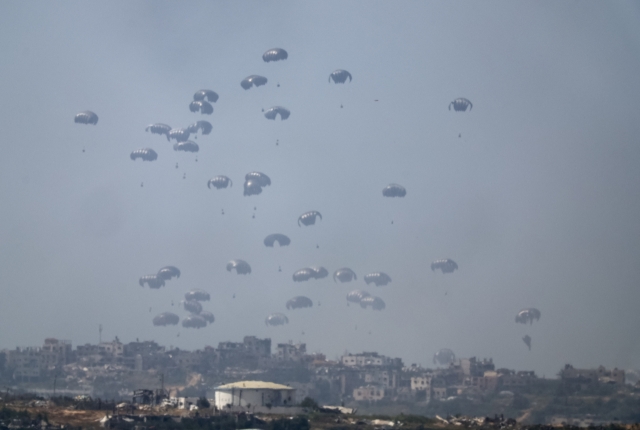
(366, 381)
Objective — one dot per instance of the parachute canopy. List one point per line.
(204, 127)
(446, 265)
(303, 274)
(208, 316)
(219, 182)
(275, 54)
(86, 117)
(179, 134)
(241, 267)
(192, 306)
(197, 295)
(188, 146)
(461, 105)
(394, 190)
(252, 187)
(194, 321)
(254, 181)
(253, 80)
(152, 281)
(377, 278)
(159, 128)
(168, 272)
(272, 112)
(146, 154)
(299, 302)
(276, 237)
(319, 272)
(209, 95)
(444, 357)
(203, 107)
(375, 303)
(277, 319)
(344, 275)
(259, 177)
(309, 218)
(356, 296)
(340, 76)
(166, 318)
(528, 315)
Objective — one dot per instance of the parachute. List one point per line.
(168, 272)
(344, 275)
(192, 306)
(444, 357)
(376, 303)
(446, 265)
(304, 274)
(253, 80)
(461, 105)
(299, 302)
(254, 181)
(241, 266)
(377, 278)
(276, 319)
(86, 117)
(208, 316)
(308, 218)
(528, 315)
(194, 321)
(219, 182)
(340, 76)
(356, 296)
(275, 54)
(179, 134)
(527, 340)
(159, 128)
(187, 146)
(201, 95)
(272, 112)
(153, 281)
(394, 190)
(252, 187)
(276, 237)
(203, 126)
(146, 154)
(319, 272)
(261, 178)
(166, 318)
(205, 108)
(197, 295)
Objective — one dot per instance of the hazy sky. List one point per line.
(538, 202)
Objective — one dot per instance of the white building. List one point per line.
(254, 393)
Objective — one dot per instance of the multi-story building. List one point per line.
(291, 352)
(371, 359)
(56, 352)
(368, 393)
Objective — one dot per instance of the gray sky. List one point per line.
(537, 201)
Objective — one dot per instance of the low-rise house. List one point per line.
(254, 393)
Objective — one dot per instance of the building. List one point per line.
(291, 352)
(370, 359)
(368, 393)
(588, 376)
(56, 352)
(254, 393)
